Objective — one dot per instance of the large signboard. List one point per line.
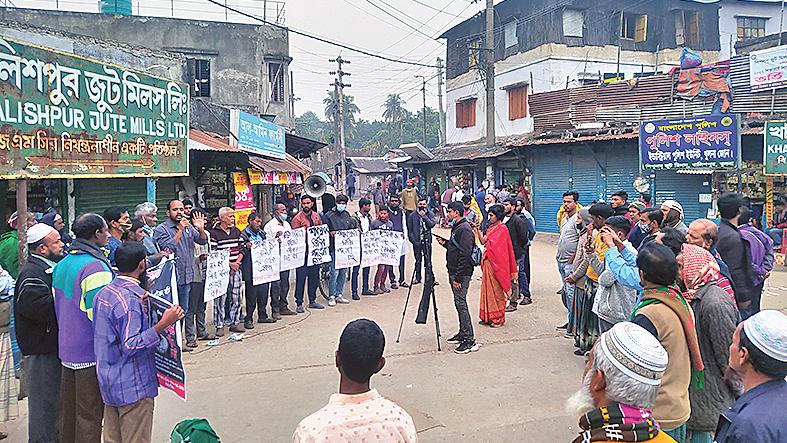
(704, 142)
(768, 69)
(62, 115)
(256, 135)
(775, 148)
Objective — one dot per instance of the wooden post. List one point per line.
(21, 219)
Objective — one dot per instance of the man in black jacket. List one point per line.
(338, 219)
(419, 231)
(459, 261)
(518, 229)
(735, 252)
(36, 331)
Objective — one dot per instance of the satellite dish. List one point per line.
(642, 185)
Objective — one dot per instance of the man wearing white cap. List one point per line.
(620, 383)
(758, 355)
(36, 331)
(673, 216)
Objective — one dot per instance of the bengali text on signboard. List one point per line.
(705, 142)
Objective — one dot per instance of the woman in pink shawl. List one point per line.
(498, 268)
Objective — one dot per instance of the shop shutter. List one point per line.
(587, 176)
(685, 188)
(622, 169)
(165, 192)
(96, 195)
(550, 181)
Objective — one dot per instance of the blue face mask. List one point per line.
(341, 208)
(283, 217)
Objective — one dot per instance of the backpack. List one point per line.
(475, 256)
(759, 245)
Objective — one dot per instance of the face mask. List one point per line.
(341, 208)
(125, 227)
(283, 217)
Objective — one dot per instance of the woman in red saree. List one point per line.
(498, 268)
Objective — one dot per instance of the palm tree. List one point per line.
(349, 110)
(394, 113)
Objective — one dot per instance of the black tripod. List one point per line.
(428, 292)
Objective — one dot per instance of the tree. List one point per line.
(310, 126)
(349, 109)
(394, 113)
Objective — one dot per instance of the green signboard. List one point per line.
(775, 149)
(62, 115)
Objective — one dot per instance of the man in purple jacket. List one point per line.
(125, 344)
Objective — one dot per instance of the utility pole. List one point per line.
(490, 74)
(339, 86)
(440, 99)
(423, 91)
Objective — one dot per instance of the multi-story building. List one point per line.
(741, 20)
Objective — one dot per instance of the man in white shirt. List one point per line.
(357, 412)
(275, 228)
(364, 220)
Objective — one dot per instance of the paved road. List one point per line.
(512, 390)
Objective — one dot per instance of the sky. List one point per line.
(400, 29)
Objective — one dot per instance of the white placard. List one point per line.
(370, 245)
(217, 274)
(318, 239)
(265, 261)
(347, 248)
(768, 68)
(390, 247)
(293, 249)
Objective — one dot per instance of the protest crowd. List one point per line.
(667, 314)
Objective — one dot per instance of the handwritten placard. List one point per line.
(293, 249)
(370, 245)
(347, 248)
(390, 247)
(217, 274)
(318, 240)
(265, 261)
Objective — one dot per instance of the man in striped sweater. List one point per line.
(227, 309)
(76, 281)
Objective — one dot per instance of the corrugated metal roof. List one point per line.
(372, 165)
(287, 164)
(209, 141)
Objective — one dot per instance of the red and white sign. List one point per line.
(768, 68)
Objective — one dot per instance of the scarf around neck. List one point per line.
(672, 298)
(617, 422)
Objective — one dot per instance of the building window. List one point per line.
(517, 102)
(509, 31)
(474, 49)
(465, 113)
(200, 71)
(276, 81)
(687, 28)
(751, 27)
(573, 23)
(634, 27)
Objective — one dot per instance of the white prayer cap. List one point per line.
(38, 231)
(767, 330)
(636, 352)
(672, 204)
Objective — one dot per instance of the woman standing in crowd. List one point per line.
(498, 268)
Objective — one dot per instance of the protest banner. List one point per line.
(169, 363)
(217, 274)
(348, 248)
(390, 246)
(370, 245)
(293, 249)
(265, 261)
(318, 239)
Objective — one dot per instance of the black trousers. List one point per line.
(256, 298)
(81, 406)
(401, 271)
(279, 291)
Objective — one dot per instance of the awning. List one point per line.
(288, 164)
(302, 147)
(208, 141)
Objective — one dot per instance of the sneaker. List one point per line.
(248, 325)
(299, 310)
(342, 300)
(266, 320)
(467, 347)
(455, 339)
(568, 334)
(393, 286)
(237, 328)
(315, 305)
(356, 297)
(368, 292)
(276, 316)
(564, 326)
(526, 301)
(404, 285)
(331, 302)
(191, 344)
(220, 332)
(286, 311)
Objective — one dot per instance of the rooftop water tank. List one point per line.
(116, 7)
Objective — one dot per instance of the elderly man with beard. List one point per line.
(620, 382)
(758, 356)
(36, 330)
(673, 216)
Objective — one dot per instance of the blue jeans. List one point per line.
(524, 285)
(183, 296)
(354, 279)
(678, 434)
(336, 280)
(699, 437)
(776, 235)
(565, 269)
